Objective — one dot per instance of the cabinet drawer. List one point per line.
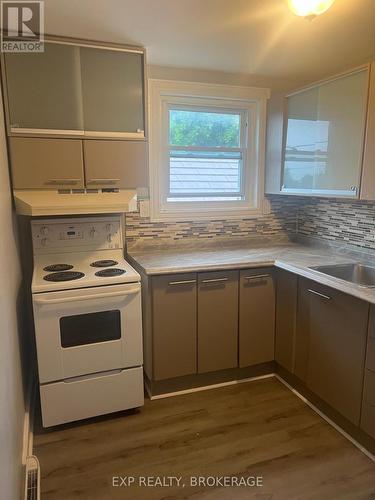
(87, 397)
(46, 163)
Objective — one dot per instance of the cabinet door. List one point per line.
(368, 404)
(302, 333)
(286, 310)
(368, 174)
(174, 325)
(256, 317)
(44, 90)
(121, 164)
(325, 134)
(217, 321)
(112, 89)
(338, 330)
(46, 163)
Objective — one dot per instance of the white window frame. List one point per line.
(250, 102)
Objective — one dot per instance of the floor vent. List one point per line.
(32, 486)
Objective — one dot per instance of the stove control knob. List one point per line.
(109, 227)
(93, 232)
(109, 238)
(44, 242)
(44, 230)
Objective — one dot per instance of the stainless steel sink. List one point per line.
(354, 273)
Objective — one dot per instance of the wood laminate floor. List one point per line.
(258, 428)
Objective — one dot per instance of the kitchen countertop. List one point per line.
(296, 255)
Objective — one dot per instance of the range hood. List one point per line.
(48, 202)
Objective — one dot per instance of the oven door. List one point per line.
(89, 330)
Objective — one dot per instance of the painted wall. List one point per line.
(12, 407)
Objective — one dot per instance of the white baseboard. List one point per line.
(207, 387)
(327, 419)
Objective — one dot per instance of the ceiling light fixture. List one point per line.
(306, 8)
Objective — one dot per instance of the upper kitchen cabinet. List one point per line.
(368, 173)
(44, 91)
(76, 88)
(324, 137)
(323, 130)
(112, 92)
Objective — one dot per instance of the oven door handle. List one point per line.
(41, 301)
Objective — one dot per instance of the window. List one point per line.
(205, 150)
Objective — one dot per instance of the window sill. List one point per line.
(195, 215)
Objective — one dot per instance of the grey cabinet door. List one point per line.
(217, 320)
(174, 325)
(256, 317)
(112, 91)
(46, 163)
(121, 164)
(338, 330)
(286, 310)
(324, 137)
(368, 405)
(44, 89)
(302, 333)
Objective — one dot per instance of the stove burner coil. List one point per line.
(108, 273)
(64, 276)
(104, 263)
(58, 267)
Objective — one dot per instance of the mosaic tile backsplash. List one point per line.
(335, 220)
(338, 220)
(282, 219)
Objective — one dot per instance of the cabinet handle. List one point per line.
(102, 181)
(216, 280)
(256, 276)
(62, 181)
(186, 282)
(321, 295)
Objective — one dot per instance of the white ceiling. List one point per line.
(260, 37)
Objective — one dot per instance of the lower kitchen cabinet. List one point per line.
(174, 325)
(337, 330)
(217, 320)
(286, 310)
(368, 404)
(256, 317)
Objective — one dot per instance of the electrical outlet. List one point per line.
(144, 208)
(266, 206)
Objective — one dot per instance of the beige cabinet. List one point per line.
(337, 342)
(121, 164)
(286, 310)
(46, 163)
(256, 317)
(43, 90)
(368, 173)
(174, 325)
(112, 91)
(217, 320)
(76, 87)
(324, 137)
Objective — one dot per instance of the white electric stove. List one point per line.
(87, 314)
